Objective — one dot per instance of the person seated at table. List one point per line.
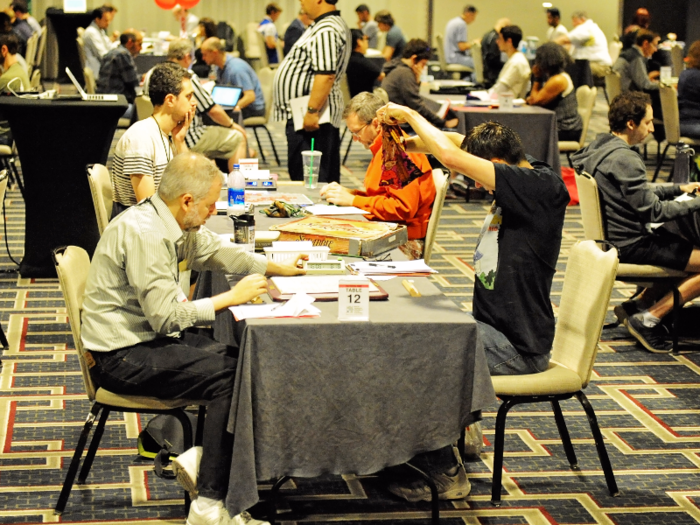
(689, 93)
(206, 29)
(362, 73)
(14, 75)
(295, 30)
(19, 27)
(630, 204)
(514, 261)
(22, 13)
(269, 32)
(118, 73)
(515, 75)
(235, 72)
(402, 83)
(553, 89)
(148, 145)
(410, 204)
(135, 318)
(457, 43)
(225, 141)
(96, 41)
(395, 41)
(491, 53)
(631, 64)
(368, 26)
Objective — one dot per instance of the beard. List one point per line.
(190, 221)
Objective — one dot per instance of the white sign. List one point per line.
(74, 6)
(353, 298)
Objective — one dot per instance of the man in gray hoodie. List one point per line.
(631, 206)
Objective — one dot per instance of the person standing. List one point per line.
(368, 26)
(314, 67)
(588, 42)
(269, 32)
(556, 28)
(188, 22)
(295, 30)
(457, 42)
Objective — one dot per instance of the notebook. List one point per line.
(85, 96)
(226, 96)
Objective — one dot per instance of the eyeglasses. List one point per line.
(357, 133)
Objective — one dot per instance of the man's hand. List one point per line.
(690, 187)
(311, 121)
(393, 114)
(289, 267)
(180, 131)
(452, 123)
(337, 194)
(250, 287)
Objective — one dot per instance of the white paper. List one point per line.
(326, 209)
(391, 267)
(681, 198)
(299, 305)
(299, 105)
(310, 284)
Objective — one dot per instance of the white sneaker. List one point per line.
(246, 519)
(186, 468)
(215, 515)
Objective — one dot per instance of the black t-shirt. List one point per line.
(362, 74)
(516, 255)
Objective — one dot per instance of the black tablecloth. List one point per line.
(62, 32)
(56, 140)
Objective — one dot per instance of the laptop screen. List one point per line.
(226, 95)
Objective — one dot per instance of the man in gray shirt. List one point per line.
(135, 316)
(368, 26)
(631, 65)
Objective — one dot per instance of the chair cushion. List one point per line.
(569, 145)
(633, 271)
(458, 67)
(118, 400)
(5, 150)
(555, 380)
(255, 121)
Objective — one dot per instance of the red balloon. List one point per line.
(187, 4)
(166, 4)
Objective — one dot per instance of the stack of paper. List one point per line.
(298, 306)
(391, 267)
(325, 209)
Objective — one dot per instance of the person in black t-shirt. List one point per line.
(362, 73)
(514, 261)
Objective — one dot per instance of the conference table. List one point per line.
(536, 126)
(56, 140)
(319, 396)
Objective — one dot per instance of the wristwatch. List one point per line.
(311, 110)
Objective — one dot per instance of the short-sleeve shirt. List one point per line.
(516, 255)
(371, 30)
(455, 32)
(14, 71)
(118, 74)
(143, 150)
(324, 49)
(555, 32)
(395, 39)
(237, 72)
(267, 28)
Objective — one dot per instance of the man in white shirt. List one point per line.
(188, 22)
(515, 75)
(457, 42)
(97, 43)
(588, 42)
(556, 28)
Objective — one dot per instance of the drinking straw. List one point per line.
(311, 165)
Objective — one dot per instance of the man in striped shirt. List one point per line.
(135, 317)
(225, 141)
(314, 67)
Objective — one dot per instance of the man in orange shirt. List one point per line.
(385, 200)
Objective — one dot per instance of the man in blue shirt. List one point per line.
(457, 43)
(236, 72)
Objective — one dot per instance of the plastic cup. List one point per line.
(312, 168)
(505, 101)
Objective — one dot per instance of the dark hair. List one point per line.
(552, 59)
(209, 26)
(357, 35)
(125, 38)
(384, 17)
(644, 35)
(469, 9)
(492, 140)
(166, 79)
(554, 12)
(694, 55)
(630, 105)
(5, 23)
(272, 8)
(98, 13)
(11, 41)
(512, 33)
(642, 18)
(332, 2)
(19, 6)
(362, 8)
(417, 47)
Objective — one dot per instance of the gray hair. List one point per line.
(365, 106)
(213, 44)
(189, 172)
(579, 14)
(179, 49)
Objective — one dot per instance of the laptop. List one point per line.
(226, 96)
(85, 96)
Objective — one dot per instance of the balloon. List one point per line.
(166, 4)
(187, 4)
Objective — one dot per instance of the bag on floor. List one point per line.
(681, 166)
(569, 176)
(163, 440)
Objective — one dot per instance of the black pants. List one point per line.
(192, 367)
(326, 140)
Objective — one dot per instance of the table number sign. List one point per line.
(353, 299)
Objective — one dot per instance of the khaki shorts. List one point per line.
(218, 142)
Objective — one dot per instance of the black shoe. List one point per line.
(450, 486)
(653, 339)
(625, 310)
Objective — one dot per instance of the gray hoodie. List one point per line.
(629, 202)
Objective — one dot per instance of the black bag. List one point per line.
(682, 165)
(163, 440)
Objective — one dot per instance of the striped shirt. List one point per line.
(143, 150)
(204, 105)
(132, 294)
(323, 49)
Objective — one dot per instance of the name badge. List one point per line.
(353, 299)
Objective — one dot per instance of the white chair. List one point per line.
(441, 184)
(381, 93)
(102, 195)
(677, 63)
(264, 62)
(345, 90)
(614, 48)
(252, 47)
(585, 98)
(35, 81)
(144, 107)
(3, 188)
(72, 267)
(80, 43)
(588, 283)
(455, 69)
(90, 83)
(478, 63)
(613, 86)
(30, 54)
(41, 47)
(672, 124)
(266, 76)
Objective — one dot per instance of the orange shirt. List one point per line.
(410, 205)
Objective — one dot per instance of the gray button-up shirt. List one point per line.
(133, 293)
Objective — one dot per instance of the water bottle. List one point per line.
(236, 191)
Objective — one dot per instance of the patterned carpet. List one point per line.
(647, 407)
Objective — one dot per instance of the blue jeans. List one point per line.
(503, 358)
